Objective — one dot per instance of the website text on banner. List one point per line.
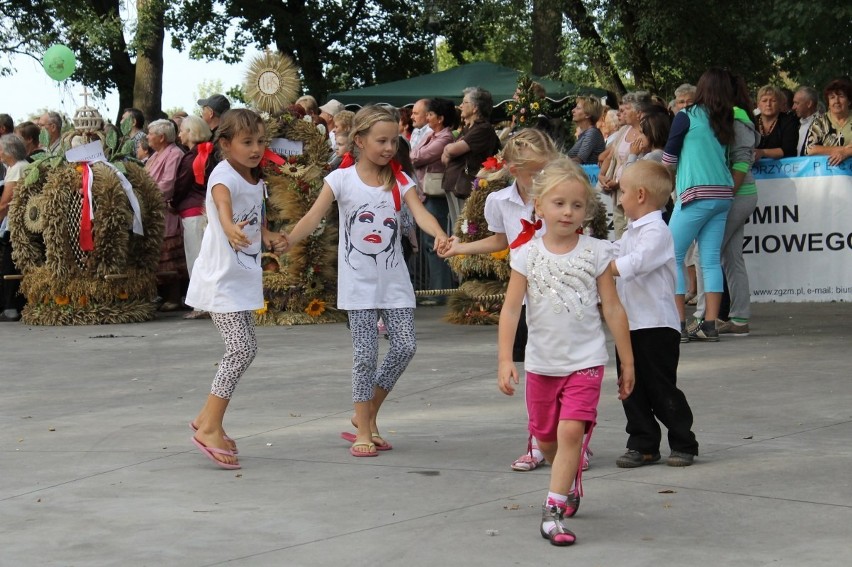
(798, 241)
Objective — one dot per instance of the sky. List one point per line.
(29, 89)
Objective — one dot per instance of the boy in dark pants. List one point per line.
(645, 262)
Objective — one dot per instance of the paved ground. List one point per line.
(96, 467)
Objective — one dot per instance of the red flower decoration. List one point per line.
(493, 163)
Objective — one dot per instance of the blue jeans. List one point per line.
(703, 221)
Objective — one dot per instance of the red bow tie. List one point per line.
(526, 233)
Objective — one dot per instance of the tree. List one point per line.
(547, 35)
(338, 44)
(150, 34)
(813, 40)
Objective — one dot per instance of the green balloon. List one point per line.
(59, 62)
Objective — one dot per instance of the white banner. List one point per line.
(798, 241)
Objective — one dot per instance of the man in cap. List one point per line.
(212, 109)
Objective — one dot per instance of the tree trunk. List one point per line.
(640, 63)
(150, 35)
(123, 69)
(599, 58)
(546, 32)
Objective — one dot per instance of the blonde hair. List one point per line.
(592, 106)
(530, 145)
(564, 170)
(654, 177)
(779, 95)
(197, 128)
(343, 121)
(363, 122)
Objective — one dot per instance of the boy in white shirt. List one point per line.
(645, 262)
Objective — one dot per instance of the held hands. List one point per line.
(276, 241)
(450, 248)
(607, 183)
(441, 243)
(626, 381)
(507, 374)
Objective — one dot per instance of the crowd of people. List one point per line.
(679, 178)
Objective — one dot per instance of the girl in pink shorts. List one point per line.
(563, 274)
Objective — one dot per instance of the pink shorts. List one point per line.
(551, 399)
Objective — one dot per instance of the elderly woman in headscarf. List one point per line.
(163, 168)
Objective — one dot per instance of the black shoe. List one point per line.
(632, 459)
(6, 319)
(680, 459)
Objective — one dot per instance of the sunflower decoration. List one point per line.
(303, 284)
(272, 82)
(528, 103)
(315, 308)
(110, 275)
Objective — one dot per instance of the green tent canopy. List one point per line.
(501, 82)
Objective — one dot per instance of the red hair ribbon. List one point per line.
(87, 242)
(270, 156)
(199, 164)
(398, 174)
(526, 233)
(348, 160)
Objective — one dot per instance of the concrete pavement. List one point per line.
(96, 467)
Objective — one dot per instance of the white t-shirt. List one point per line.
(565, 331)
(371, 270)
(646, 263)
(225, 280)
(504, 210)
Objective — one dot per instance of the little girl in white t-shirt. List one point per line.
(372, 275)
(226, 279)
(562, 274)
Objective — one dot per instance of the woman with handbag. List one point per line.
(464, 157)
(429, 170)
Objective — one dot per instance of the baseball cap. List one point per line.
(218, 103)
(332, 107)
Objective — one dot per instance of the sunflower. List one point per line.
(315, 308)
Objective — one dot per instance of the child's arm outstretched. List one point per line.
(312, 218)
(225, 209)
(616, 320)
(494, 243)
(425, 220)
(510, 314)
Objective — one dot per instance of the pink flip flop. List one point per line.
(346, 436)
(225, 437)
(209, 451)
(355, 453)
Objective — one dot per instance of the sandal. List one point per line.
(558, 534)
(527, 462)
(572, 505)
(370, 452)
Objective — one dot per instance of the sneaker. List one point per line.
(557, 534)
(706, 331)
(527, 462)
(692, 326)
(732, 328)
(680, 459)
(632, 459)
(684, 333)
(587, 454)
(572, 505)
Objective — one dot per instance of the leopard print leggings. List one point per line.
(365, 349)
(237, 331)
